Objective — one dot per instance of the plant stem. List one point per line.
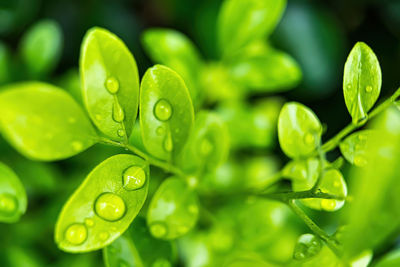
(290, 195)
(151, 160)
(315, 228)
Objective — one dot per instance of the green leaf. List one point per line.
(243, 21)
(138, 248)
(391, 259)
(374, 214)
(41, 47)
(104, 205)
(110, 83)
(273, 71)
(5, 61)
(362, 81)
(166, 112)
(43, 122)
(354, 147)
(173, 211)
(207, 146)
(299, 130)
(13, 200)
(174, 50)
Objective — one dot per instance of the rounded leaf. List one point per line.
(110, 83)
(43, 122)
(41, 47)
(166, 112)
(362, 81)
(173, 211)
(176, 51)
(242, 21)
(208, 144)
(104, 205)
(299, 130)
(354, 147)
(122, 252)
(13, 200)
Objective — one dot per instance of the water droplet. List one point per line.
(121, 133)
(328, 204)
(112, 85)
(309, 139)
(118, 113)
(104, 235)
(308, 245)
(206, 147)
(76, 234)
(368, 89)
(158, 229)
(168, 145)
(163, 110)
(360, 161)
(76, 145)
(299, 255)
(134, 178)
(89, 222)
(349, 86)
(161, 263)
(110, 207)
(8, 203)
(160, 130)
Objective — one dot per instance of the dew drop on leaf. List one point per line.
(163, 110)
(118, 113)
(121, 133)
(104, 235)
(360, 161)
(8, 203)
(308, 245)
(110, 207)
(168, 145)
(158, 229)
(160, 130)
(368, 89)
(89, 222)
(134, 178)
(76, 233)
(112, 85)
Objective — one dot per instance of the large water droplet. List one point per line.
(118, 113)
(163, 110)
(168, 145)
(110, 207)
(8, 203)
(112, 85)
(134, 178)
(328, 204)
(76, 233)
(158, 229)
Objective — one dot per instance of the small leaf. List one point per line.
(354, 147)
(166, 112)
(110, 83)
(242, 21)
(174, 50)
(299, 130)
(41, 47)
(362, 81)
(138, 248)
(43, 122)
(207, 146)
(273, 71)
(308, 245)
(12, 196)
(391, 259)
(173, 211)
(104, 205)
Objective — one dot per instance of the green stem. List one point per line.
(151, 160)
(315, 228)
(290, 195)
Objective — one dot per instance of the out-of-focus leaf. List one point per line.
(392, 259)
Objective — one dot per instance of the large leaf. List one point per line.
(166, 112)
(43, 122)
(362, 81)
(110, 83)
(104, 205)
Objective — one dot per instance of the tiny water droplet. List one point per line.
(76, 145)
(168, 145)
(121, 133)
(134, 178)
(206, 147)
(160, 130)
(368, 89)
(104, 236)
(309, 139)
(163, 110)
(328, 204)
(360, 161)
(308, 245)
(76, 233)
(299, 255)
(110, 207)
(349, 86)
(118, 113)
(89, 222)
(112, 85)
(158, 229)
(8, 203)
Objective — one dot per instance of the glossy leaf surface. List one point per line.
(43, 122)
(13, 200)
(299, 130)
(104, 205)
(354, 147)
(362, 81)
(173, 211)
(166, 112)
(110, 83)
